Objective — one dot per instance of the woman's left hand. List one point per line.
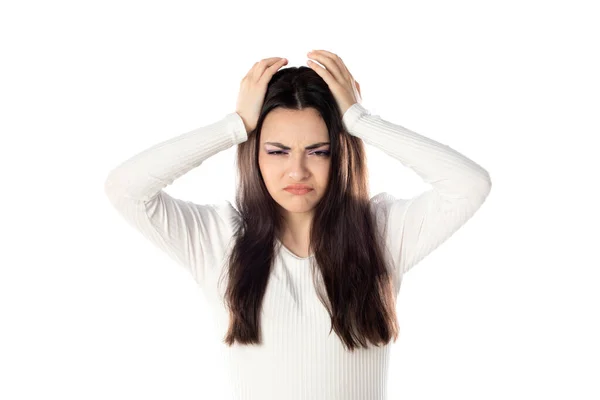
(342, 84)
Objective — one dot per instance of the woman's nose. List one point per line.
(298, 164)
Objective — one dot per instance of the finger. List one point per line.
(259, 67)
(251, 71)
(339, 62)
(344, 68)
(270, 71)
(329, 63)
(323, 73)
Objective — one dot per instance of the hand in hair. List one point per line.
(338, 78)
(253, 89)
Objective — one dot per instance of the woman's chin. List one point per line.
(294, 207)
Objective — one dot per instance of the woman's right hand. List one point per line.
(253, 89)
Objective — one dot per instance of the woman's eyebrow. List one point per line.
(284, 147)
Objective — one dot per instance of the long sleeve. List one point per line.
(414, 227)
(186, 231)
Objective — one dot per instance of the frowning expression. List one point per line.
(294, 150)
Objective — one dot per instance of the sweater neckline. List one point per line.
(289, 252)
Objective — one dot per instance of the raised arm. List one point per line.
(189, 233)
(196, 236)
(417, 226)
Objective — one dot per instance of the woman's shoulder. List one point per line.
(229, 215)
(385, 206)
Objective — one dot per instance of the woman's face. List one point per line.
(284, 159)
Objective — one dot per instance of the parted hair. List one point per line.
(349, 272)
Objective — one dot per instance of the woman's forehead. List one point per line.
(294, 127)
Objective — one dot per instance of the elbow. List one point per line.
(111, 188)
(486, 184)
(480, 191)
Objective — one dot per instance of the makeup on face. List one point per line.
(320, 153)
(298, 192)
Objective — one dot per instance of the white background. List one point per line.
(506, 308)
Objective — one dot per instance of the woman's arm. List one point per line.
(417, 226)
(188, 232)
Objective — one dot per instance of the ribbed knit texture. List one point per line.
(298, 359)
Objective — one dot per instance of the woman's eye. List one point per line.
(323, 153)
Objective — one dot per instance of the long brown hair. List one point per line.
(359, 290)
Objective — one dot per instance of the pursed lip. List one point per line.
(297, 187)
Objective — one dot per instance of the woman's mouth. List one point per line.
(299, 191)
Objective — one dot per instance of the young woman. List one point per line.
(306, 252)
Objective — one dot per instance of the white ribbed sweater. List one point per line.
(298, 359)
